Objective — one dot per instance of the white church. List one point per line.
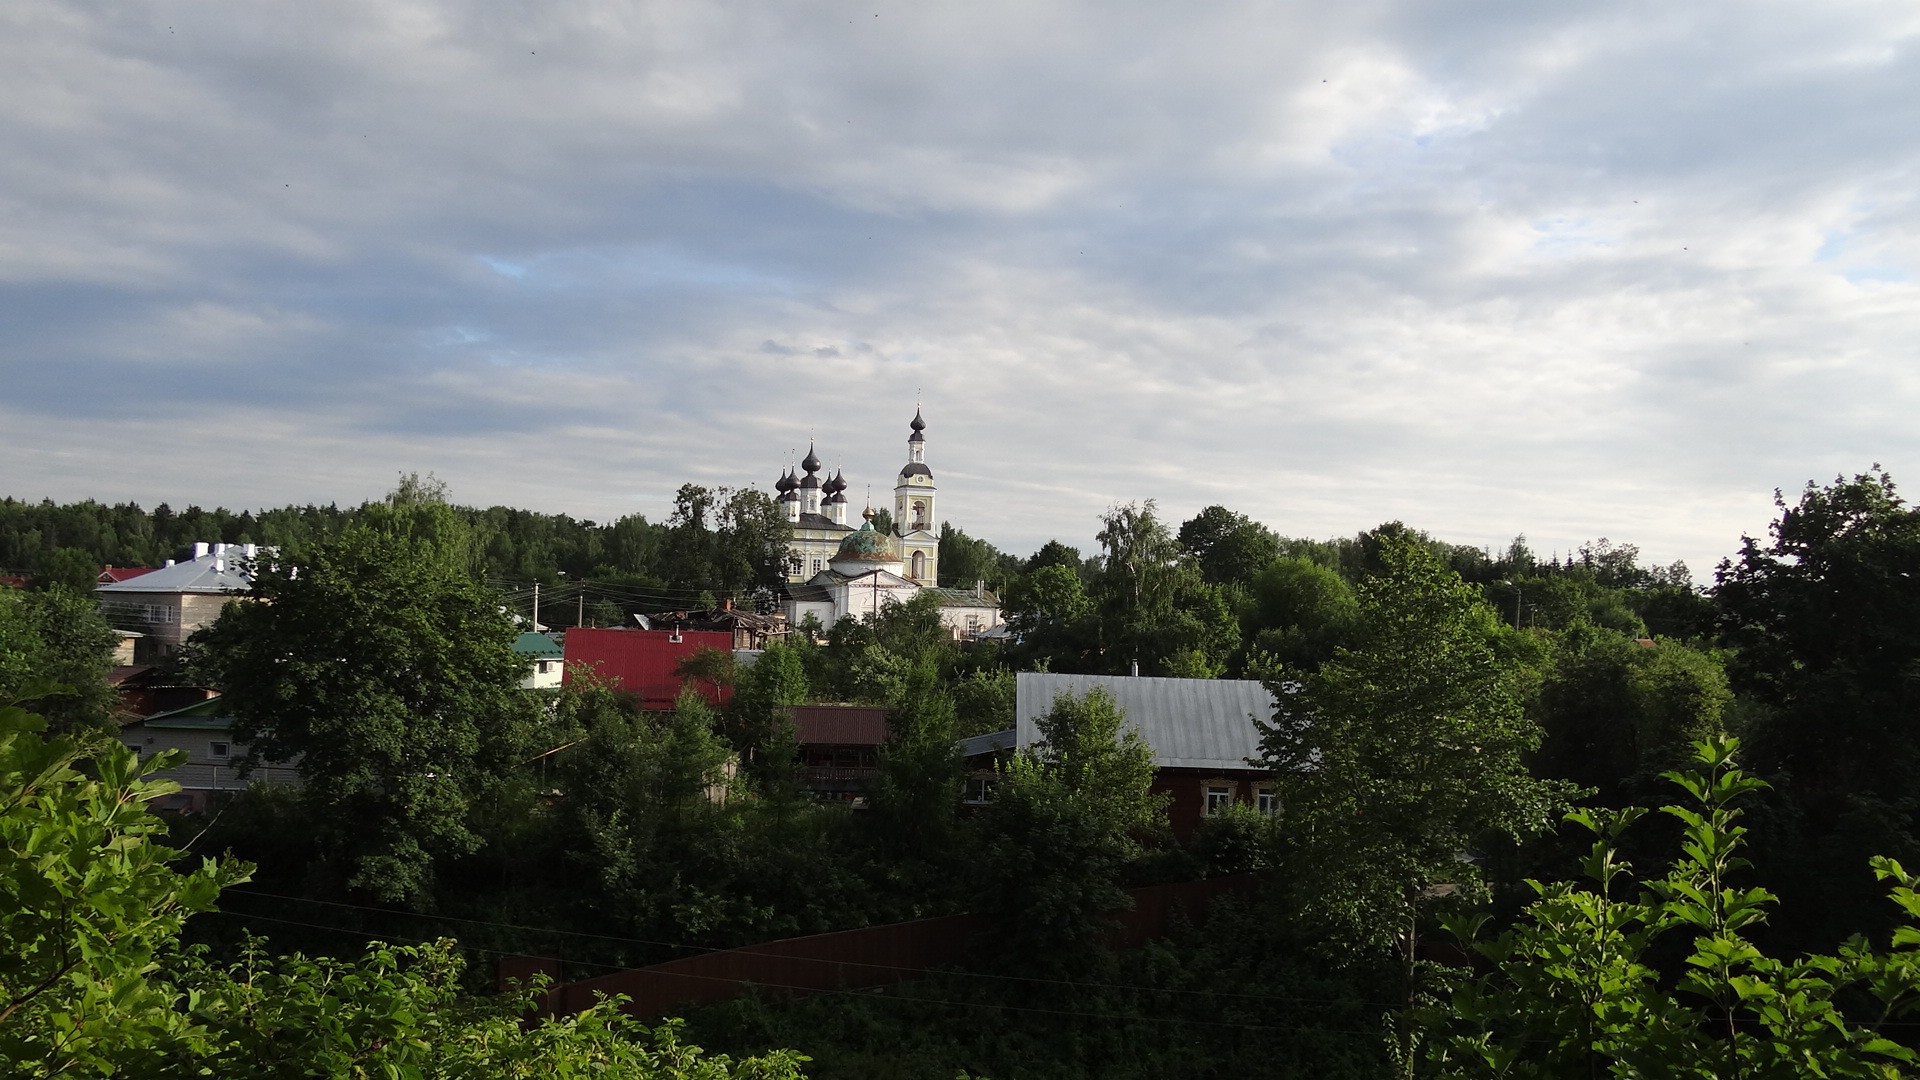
(835, 570)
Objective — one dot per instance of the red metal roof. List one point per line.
(111, 574)
(840, 725)
(641, 662)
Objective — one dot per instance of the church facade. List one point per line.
(836, 569)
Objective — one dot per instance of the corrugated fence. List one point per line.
(847, 960)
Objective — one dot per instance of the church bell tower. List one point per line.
(914, 522)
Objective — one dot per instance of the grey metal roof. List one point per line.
(988, 743)
(1190, 723)
(212, 573)
(808, 594)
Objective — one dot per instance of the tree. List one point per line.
(93, 981)
(66, 568)
(1402, 754)
(1153, 606)
(1298, 612)
(1229, 546)
(1575, 990)
(58, 636)
(1616, 714)
(917, 792)
(1069, 813)
(88, 905)
(1825, 621)
(724, 540)
(964, 560)
(373, 660)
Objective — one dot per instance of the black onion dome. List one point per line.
(918, 426)
(835, 484)
(810, 462)
(785, 483)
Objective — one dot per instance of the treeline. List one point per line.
(1435, 701)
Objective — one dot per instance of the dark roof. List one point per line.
(809, 594)
(537, 646)
(965, 597)
(840, 725)
(208, 715)
(720, 619)
(821, 521)
(915, 468)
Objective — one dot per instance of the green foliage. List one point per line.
(1153, 606)
(964, 560)
(400, 1012)
(1069, 814)
(916, 796)
(1229, 547)
(1576, 990)
(1617, 713)
(376, 662)
(1824, 619)
(89, 908)
(1402, 753)
(724, 540)
(66, 568)
(983, 702)
(92, 981)
(58, 636)
(1297, 612)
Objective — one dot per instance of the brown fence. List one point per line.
(847, 960)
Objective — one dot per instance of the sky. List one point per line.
(1485, 267)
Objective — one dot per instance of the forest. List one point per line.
(1539, 816)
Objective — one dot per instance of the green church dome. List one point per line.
(865, 545)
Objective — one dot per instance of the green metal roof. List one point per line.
(208, 715)
(537, 646)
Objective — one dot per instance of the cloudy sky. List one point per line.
(1489, 267)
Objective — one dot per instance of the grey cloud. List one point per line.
(1489, 267)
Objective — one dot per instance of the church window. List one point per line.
(816, 566)
(919, 564)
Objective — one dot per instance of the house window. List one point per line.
(1266, 799)
(1219, 797)
(220, 749)
(979, 790)
(816, 566)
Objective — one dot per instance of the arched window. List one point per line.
(919, 515)
(919, 564)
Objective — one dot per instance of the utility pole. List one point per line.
(580, 616)
(536, 607)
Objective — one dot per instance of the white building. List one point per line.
(545, 661)
(169, 604)
(816, 504)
